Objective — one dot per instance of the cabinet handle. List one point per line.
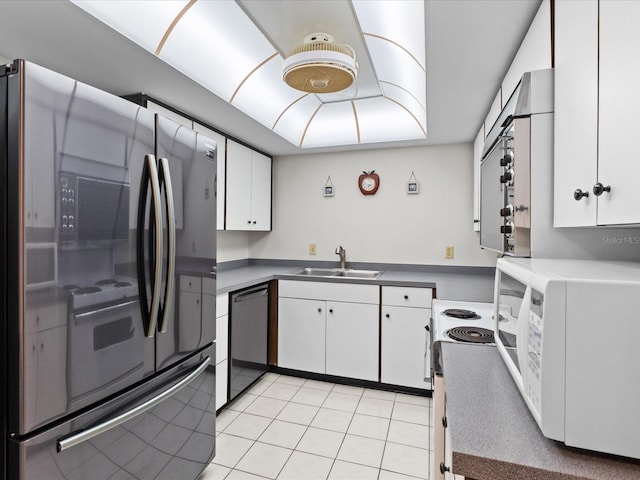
(319, 310)
(248, 222)
(406, 297)
(426, 327)
(331, 310)
(444, 422)
(578, 194)
(599, 189)
(444, 468)
(387, 315)
(254, 222)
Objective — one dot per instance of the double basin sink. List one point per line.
(338, 272)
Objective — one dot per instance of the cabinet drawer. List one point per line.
(42, 317)
(222, 305)
(337, 292)
(407, 296)
(189, 283)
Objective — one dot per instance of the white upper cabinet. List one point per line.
(596, 77)
(478, 145)
(619, 124)
(221, 159)
(248, 189)
(493, 114)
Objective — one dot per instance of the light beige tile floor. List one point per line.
(286, 428)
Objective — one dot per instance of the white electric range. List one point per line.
(452, 321)
(458, 321)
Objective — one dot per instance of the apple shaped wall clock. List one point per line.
(369, 182)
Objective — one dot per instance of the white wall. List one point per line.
(232, 246)
(389, 227)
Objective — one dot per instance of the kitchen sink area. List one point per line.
(339, 272)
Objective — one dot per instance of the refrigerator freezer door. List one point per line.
(188, 159)
(71, 151)
(174, 439)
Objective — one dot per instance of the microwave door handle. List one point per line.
(165, 177)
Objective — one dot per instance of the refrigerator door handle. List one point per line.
(165, 177)
(77, 438)
(149, 176)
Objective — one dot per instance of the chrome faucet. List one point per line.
(343, 256)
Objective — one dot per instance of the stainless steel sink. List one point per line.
(338, 272)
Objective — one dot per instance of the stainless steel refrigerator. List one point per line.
(107, 275)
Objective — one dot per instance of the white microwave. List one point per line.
(568, 332)
(41, 265)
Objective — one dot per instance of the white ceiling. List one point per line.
(469, 46)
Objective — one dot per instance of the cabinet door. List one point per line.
(222, 375)
(260, 192)
(403, 346)
(51, 399)
(221, 159)
(238, 192)
(40, 167)
(209, 329)
(352, 340)
(478, 145)
(576, 111)
(619, 102)
(301, 334)
(222, 338)
(189, 332)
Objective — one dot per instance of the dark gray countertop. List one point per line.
(494, 436)
(478, 286)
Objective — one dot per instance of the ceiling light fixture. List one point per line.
(320, 65)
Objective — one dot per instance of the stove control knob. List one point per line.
(507, 177)
(507, 159)
(71, 229)
(507, 229)
(507, 211)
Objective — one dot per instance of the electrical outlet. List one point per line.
(312, 249)
(448, 252)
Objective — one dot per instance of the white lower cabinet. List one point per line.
(405, 342)
(319, 331)
(222, 348)
(222, 376)
(301, 334)
(352, 340)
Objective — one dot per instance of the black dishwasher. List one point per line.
(249, 321)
